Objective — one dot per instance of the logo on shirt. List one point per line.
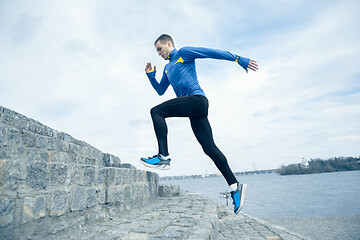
(180, 60)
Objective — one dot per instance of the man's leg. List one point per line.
(203, 133)
(190, 106)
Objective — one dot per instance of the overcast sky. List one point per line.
(78, 67)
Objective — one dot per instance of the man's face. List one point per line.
(164, 49)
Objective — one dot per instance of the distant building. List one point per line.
(304, 162)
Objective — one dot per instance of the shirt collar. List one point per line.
(172, 54)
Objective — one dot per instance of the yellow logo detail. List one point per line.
(179, 60)
(165, 71)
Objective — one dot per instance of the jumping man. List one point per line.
(190, 102)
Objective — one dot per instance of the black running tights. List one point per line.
(194, 107)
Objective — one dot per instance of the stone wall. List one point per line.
(51, 182)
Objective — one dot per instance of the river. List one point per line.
(272, 195)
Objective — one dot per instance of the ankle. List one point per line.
(233, 187)
(164, 157)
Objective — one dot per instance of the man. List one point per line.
(190, 102)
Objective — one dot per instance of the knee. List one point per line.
(154, 111)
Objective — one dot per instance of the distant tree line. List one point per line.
(320, 166)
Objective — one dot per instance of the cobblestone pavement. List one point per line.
(334, 228)
(243, 226)
(188, 216)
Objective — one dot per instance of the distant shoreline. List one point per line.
(255, 172)
(197, 176)
(337, 164)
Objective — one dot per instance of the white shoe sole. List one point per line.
(242, 195)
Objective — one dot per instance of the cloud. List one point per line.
(82, 71)
(285, 109)
(76, 45)
(25, 28)
(344, 138)
(58, 109)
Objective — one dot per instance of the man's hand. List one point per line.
(246, 63)
(148, 68)
(252, 65)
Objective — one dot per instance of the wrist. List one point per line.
(151, 73)
(242, 61)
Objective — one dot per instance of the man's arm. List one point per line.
(159, 87)
(191, 53)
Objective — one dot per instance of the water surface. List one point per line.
(273, 195)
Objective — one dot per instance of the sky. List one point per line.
(78, 67)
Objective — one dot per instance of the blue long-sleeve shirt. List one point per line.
(180, 72)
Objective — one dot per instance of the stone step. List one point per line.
(186, 216)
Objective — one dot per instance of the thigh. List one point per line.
(189, 106)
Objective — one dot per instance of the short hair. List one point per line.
(164, 38)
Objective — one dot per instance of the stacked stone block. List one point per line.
(50, 181)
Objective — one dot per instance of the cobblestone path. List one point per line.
(188, 216)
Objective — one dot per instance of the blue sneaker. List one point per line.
(238, 197)
(156, 162)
